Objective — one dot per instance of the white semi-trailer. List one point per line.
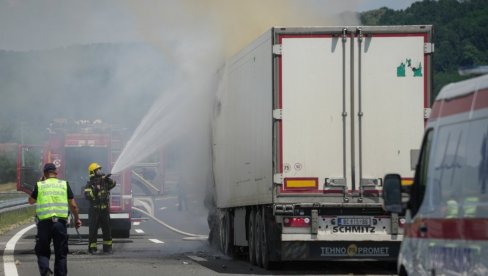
(307, 122)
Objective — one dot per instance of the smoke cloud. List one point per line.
(196, 37)
(149, 66)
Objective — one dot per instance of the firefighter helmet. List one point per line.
(92, 168)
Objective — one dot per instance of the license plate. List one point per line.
(354, 221)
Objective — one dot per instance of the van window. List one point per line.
(476, 169)
(418, 189)
(445, 185)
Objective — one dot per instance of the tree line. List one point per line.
(460, 33)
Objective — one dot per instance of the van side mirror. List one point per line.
(392, 193)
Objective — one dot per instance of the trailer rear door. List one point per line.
(311, 100)
(352, 105)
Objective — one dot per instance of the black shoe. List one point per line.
(108, 251)
(92, 250)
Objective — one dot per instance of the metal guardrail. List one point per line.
(8, 203)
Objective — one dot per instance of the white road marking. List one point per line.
(162, 208)
(198, 238)
(9, 266)
(136, 223)
(140, 231)
(156, 241)
(196, 258)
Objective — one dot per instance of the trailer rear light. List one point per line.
(296, 222)
(401, 222)
(301, 183)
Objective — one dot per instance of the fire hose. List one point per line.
(169, 226)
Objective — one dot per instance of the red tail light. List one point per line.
(296, 222)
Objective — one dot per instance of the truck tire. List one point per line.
(258, 238)
(403, 271)
(226, 234)
(264, 241)
(251, 236)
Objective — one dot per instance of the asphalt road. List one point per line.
(155, 250)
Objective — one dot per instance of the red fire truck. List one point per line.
(72, 146)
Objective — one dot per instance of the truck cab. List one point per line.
(447, 207)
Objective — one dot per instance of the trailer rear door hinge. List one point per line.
(314, 225)
(428, 48)
(278, 178)
(394, 224)
(277, 114)
(277, 49)
(427, 112)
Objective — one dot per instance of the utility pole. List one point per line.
(22, 143)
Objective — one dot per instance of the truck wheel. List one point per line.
(222, 233)
(403, 271)
(251, 238)
(264, 242)
(226, 237)
(258, 237)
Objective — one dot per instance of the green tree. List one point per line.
(460, 33)
(8, 169)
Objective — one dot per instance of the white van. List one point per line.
(446, 228)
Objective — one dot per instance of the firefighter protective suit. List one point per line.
(97, 192)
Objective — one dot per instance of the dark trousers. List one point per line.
(99, 218)
(48, 230)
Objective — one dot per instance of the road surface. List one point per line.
(155, 250)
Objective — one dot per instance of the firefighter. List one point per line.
(54, 198)
(97, 192)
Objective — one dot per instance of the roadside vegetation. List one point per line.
(460, 33)
(13, 219)
(7, 187)
(8, 170)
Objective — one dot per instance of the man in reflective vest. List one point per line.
(97, 191)
(54, 199)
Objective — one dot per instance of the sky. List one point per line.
(367, 5)
(47, 24)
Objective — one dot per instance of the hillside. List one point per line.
(460, 33)
(116, 83)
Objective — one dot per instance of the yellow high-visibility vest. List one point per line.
(52, 199)
(470, 205)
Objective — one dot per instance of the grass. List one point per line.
(12, 219)
(9, 191)
(8, 187)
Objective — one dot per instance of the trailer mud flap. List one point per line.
(342, 250)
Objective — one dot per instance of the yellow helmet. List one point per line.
(92, 168)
